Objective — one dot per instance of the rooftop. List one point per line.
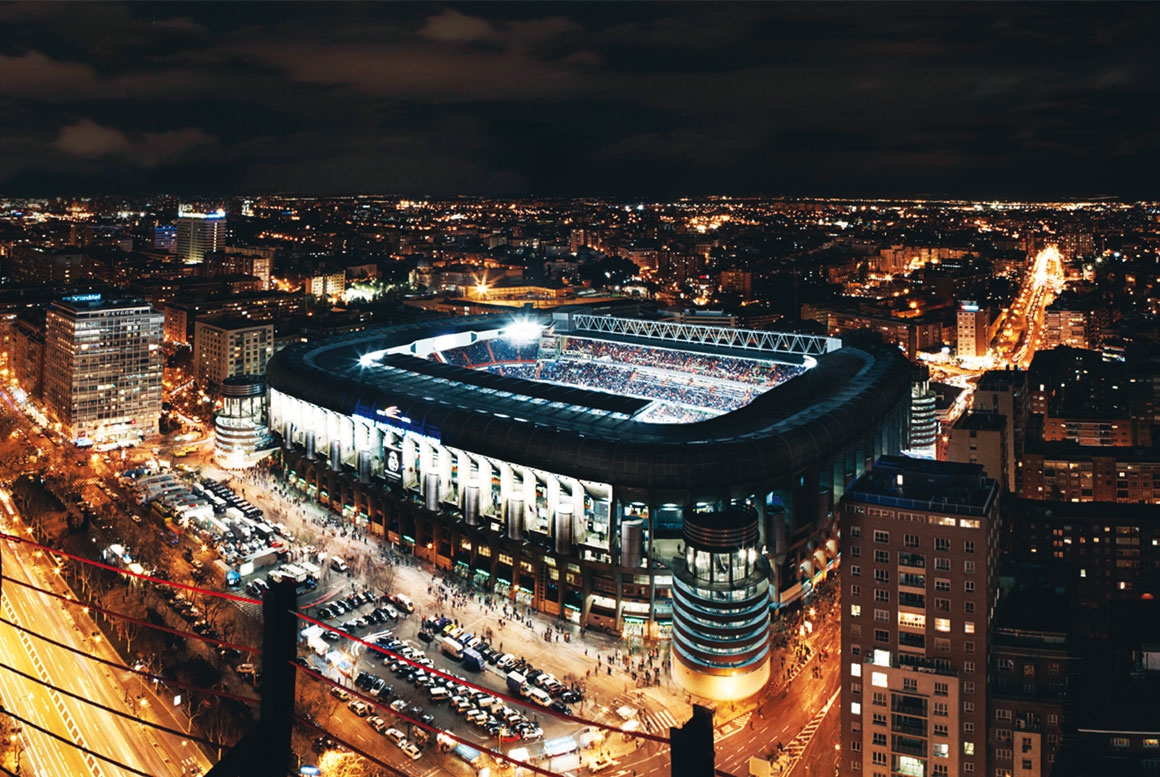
(919, 484)
(989, 422)
(89, 302)
(232, 323)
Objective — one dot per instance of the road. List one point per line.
(147, 750)
(1021, 333)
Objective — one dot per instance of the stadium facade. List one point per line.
(470, 443)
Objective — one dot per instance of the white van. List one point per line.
(440, 694)
(404, 602)
(539, 696)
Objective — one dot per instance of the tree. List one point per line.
(382, 576)
(335, 763)
(610, 271)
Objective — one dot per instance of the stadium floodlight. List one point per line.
(370, 359)
(522, 331)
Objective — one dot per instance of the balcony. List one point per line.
(902, 724)
(913, 706)
(912, 560)
(914, 664)
(907, 599)
(909, 746)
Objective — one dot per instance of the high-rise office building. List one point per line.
(199, 232)
(919, 541)
(228, 346)
(974, 337)
(102, 367)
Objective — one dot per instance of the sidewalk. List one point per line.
(584, 658)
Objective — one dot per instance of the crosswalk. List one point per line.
(730, 728)
(659, 722)
(798, 746)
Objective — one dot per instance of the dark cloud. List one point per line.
(1040, 100)
(89, 140)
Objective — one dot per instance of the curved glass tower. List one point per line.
(721, 635)
(241, 436)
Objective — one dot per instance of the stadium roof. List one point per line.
(592, 435)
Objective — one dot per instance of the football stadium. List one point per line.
(655, 480)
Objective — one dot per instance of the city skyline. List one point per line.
(1044, 101)
(687, 389)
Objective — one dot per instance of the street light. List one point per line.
(17, 746)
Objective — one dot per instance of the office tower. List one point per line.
(199, 232)
(919, 540)
(228, 346)
(165, 239)
(973, 332)
(102, 367)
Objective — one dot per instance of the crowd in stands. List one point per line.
(664, 413)
(762, 373)
(703, 399)
(690, 387)
(482, 353)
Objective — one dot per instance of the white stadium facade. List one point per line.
(655, 480)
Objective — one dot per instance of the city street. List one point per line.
(148, 750)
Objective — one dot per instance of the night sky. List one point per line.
(987, 100)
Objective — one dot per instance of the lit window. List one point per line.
(942, 624)
(878, 679)
(855, 610)
(855, 669)
(969, 627)
(855, 708)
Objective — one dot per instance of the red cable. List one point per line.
(488, 691)
(138, 672)
(130, 618)
(138, 575)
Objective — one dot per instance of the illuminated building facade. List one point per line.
(923, 415)
(241, 437)
(198, 233)
(919, 542)
(564, 498)
(228, 346)
(721, 606)
(102, 367)
(974, 336)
